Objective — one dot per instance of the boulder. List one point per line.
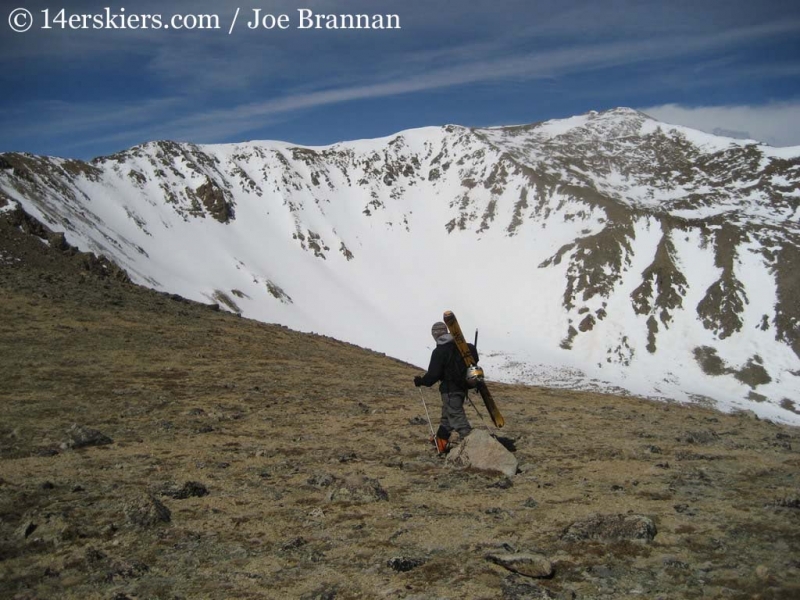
(480, 450)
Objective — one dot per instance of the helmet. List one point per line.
(474, 376)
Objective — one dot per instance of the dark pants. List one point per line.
(453, 416)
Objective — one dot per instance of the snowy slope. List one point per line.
(607, 250)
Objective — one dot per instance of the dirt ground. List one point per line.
(156, 448)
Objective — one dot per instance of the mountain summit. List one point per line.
(603, 250)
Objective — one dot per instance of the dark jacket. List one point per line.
(441, 368)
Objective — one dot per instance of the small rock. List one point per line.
(50, 527)
(324, 592)
(503, 484)
(611, 528)
(26, 529)
(358, 489)
(601, 571)
(125, 570)
(684, 509)
(94, 556)
(674, 563)
(402, 564)
(83, 437)
(788, 502)
(516, 587)
(529, 565)
(321, 480)
(747, 414)
(190, 489)
(530, 503)
(146, 511)
(699, 437)
(294, 544)
(47, 451)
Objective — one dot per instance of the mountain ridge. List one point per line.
(655, 258)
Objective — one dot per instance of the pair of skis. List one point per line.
(455, 330)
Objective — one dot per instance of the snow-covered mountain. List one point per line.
(605, 250)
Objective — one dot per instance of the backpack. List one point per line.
(455, 369)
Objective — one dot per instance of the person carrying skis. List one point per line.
(447, 366)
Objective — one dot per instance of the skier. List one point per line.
(447, 366)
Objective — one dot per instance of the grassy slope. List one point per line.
(263, 416)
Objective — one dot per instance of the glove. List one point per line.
(418, 380)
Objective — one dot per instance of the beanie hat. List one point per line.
(438, 329)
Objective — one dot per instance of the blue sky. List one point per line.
(731, 67)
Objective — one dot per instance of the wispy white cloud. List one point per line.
(224, 89)
(776, 124)
(527, 66)
(221, 123)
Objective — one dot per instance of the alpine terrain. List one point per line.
(607, 251)
(155, 448)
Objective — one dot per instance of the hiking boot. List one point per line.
(441, 444)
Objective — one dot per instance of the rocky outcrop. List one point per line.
(215, 200)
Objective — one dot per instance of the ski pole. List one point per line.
(475, 407)
(429, 421)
